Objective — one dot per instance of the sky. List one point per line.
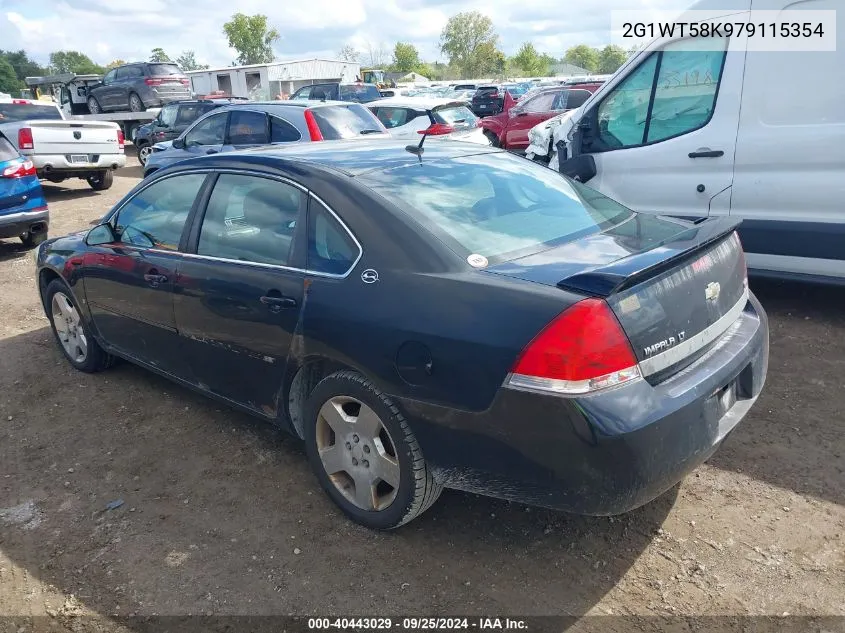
(106, 30)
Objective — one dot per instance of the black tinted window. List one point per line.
(190, 112)
(339, 122)
(7, 150)
(210, 131)
(248, 128)
(359, 92)
(570, 99)
(12, 112)
(155, 217)
(330, 247)
(282, 132)
(250, 219)
(163, 70)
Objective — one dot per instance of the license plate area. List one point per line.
(79, 158)
(726, 397)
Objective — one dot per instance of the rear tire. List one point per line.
(31, 240)
(94, 106)
(71, 332)
(364, 453)
(102, 181)
(135, 103)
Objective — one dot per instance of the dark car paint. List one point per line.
(446, 374)
(152, 132)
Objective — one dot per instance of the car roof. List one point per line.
(416, 102)
(357, 156)
(273, 106)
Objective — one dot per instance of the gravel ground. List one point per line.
(222, 516)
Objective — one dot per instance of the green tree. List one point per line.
(469, 41)
(406, 58)
(252, 37)
(584, 56)
(188, 61)
(348, 53)
(24, 66)
(611, 58)
(9, 82)
(530, 62)
(158, 55)
(115, 64)
(73, 62)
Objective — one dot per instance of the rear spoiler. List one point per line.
(604, 281)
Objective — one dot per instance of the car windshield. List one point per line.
(164, 70)
(456, 116)
(359, 92)
(517, 91)
(13, 112)
(340, 122)
(495, 204)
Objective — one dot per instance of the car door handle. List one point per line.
(276, 303)
(707, 153)
(211, 151)
(154, 279)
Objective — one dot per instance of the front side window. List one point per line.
(210, 131)
(250, 219)
(496, 205)
(541, 103)
(330, 247)
(167, 115)
(673, 92)
(248, 128)
(190, 112)
(109, 78)
(303, 93)
(156, 215)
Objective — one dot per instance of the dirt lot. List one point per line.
(221, 514)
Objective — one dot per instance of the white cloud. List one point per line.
(107, 30)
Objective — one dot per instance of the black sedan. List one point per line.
(461, 317)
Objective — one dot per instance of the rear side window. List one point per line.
(392, 117)
(163, 70)
(456, 116)
(156, 216)
(303, 93)
(361, 93)
(496, 205)
(283, 132)
(13, 112)
(330, 247)
(250, 219)
(248, 128)
(7, 150)
(339, 122)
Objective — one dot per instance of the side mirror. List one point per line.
(581, 168)
(100, 234)
(178, 143)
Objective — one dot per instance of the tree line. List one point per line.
(469, 42)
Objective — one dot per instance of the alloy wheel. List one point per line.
(69, 328)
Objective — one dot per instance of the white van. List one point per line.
(754, 135)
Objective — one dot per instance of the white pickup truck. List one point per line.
(60, 148)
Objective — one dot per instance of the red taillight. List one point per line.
(121, 139)
(19, 170)
(153, 81)
(185, 82)
(313, 128)
(437, 129)
(584, 349)
(25, 138)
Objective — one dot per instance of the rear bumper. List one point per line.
(602, 454)
(61, 163)
(15, 224)
(153, 98)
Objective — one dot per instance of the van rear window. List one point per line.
(163, 70)
(496, 205)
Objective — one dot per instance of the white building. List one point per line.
(265, 81)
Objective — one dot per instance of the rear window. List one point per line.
(163, 70)
(496, 205)
(339, 122)
(7, 150)
(359, 92)
(486, 90)
(456, 116)
(13, 112)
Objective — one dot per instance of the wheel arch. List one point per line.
(303, 378)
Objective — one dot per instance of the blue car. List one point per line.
(23, 209)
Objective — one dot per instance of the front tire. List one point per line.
(135, 103)
(494, 140)
(364, 453)
(144, 151)
(102, 181)
(72, 335)
(94, 106)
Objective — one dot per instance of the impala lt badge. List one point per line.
(665, 344)
(711, 292)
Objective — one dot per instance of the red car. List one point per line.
(509, 129)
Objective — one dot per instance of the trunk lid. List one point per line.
(675, 287)
(73, 137)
